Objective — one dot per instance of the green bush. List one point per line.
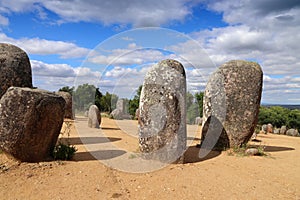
(279, 116)
(63, 152)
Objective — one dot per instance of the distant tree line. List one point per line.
(194, 106)
(86, 95)
(279, 116)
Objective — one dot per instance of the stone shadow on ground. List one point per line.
(97, 155)
(109, 128)
(88, 140)
(275, 148)
(192, 155)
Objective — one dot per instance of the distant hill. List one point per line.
(291, 107)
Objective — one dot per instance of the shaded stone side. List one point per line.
(30, 123)
(69, 104)
(232, 96)
(162, 112)
(14, 67)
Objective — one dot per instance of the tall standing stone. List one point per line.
(30, 123)
(231, 104)
(15, 69)
(69, 103)
(162, 117)
(94, 117)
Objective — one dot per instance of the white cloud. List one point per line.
(131, 55)
(46, 47)
(264, 31)
(55, 76)
(135, 12)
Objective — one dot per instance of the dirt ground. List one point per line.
(216, 176)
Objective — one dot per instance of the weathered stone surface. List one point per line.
(68, 108)
(269, 128)
(231, 104)
(283, 130)
(15, 69)
(292, 132)
(162, 127)
(120, 112)
(94, 117)
(30, 123)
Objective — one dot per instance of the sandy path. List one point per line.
(218, 176)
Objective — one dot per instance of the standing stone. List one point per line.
(283, 130)
(94, 117)
(15, 69)
(30, 123)
(68, 109)
(120, 112)
(198, 120)
(264, 128)
(292, 132)
(121, 105)
(231, 104)
(162, 127)
(269, 128)
(276, 131)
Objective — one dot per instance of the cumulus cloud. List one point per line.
(134, 12)
(263, 31)
(46, 47)
(55, 76)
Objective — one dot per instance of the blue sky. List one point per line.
(109, 43)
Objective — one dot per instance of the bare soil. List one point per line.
(219, 175)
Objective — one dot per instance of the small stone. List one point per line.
(283, 130)
(252, 151)
(198, 121)
(269, 128)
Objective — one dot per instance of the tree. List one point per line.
(108, 102)
(67, 89)
(84, 96)
(293, 120)
(98, 96)
(192, 113)
(199, 97)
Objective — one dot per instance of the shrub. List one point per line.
(63, 152)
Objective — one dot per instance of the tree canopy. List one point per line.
(279, 116)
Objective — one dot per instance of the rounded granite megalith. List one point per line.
(30, 123)
(94, 117)
(69, 103)
(231, 104)
(15, 69)
(162, 117)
